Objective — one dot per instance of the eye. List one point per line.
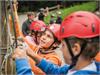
(43, 34)
(39, 34)
(49, 36)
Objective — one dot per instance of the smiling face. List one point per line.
(46, 39)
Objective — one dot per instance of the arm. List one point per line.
(24, 27)
(47, 66)
(22, 67)
(50, 68)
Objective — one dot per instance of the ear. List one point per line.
(76, 49)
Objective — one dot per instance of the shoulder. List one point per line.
(25, 21)
(53, 57)
(89, 72)
(85, 72)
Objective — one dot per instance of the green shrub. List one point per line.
(90, 6)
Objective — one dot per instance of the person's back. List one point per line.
(58, 20)
(25, 27)
(41, 16)
(52, 19)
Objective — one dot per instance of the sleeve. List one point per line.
(24, 28)
(50, 68)
(54, 59)
(22, 67)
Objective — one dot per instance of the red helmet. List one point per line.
(81, 24)
(37, 25)
(55, 29)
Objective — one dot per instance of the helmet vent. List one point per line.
(43, 29)
(84, 25)
(79, 16)
(62, 30)
(93, 27)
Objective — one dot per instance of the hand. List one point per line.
(19, 53)
(29, 51)
(33, 55)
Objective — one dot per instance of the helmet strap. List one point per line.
(69, 47)
(55, 40)
(51, 45)
(75, 58)
(36, 33)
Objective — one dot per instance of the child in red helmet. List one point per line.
(36, 28)
(47, 44)
(79, 33)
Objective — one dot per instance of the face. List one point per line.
(31, 17)
(65, 52)
(33, 34)
(38, 37)
(75, 49)
(46, 39)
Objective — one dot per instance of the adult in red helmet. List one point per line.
(47, 44)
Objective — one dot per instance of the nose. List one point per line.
(43, 37)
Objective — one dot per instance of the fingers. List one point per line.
(19, 54)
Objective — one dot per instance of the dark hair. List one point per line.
(30, 13)
(91, 49)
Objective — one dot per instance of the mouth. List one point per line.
(42, 42)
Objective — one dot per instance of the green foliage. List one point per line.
(90, 6)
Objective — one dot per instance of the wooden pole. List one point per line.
(3, 31)
(8, 66)
(0, 33)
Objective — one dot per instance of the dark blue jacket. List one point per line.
(25, 27)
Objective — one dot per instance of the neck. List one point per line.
(81, 63)
(30, 20)
(45, 51)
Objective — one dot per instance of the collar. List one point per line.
(45, 51)
(90, 67)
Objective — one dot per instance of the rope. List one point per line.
(12, 15)
(10, 46)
